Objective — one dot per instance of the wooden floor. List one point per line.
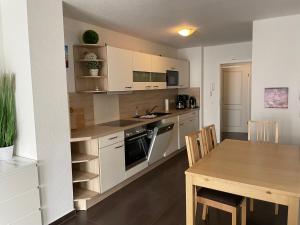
(158, 198)
(235, 136)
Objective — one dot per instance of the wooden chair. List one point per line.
(263, 131)
(199, 144)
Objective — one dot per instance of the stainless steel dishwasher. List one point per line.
(160, 135)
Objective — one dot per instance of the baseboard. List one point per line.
(64, 218)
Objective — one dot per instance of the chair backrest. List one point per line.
(263, 131)
(200, 143)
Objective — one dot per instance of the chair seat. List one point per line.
(219, 196)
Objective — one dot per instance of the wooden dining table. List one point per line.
(268, 172)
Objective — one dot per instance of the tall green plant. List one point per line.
(7, 110)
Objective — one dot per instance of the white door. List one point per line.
(235, 97)
(112, 165)
(119, 62)
(141, 62)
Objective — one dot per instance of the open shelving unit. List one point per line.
(85, 172)
(84, 82)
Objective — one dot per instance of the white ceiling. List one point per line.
(218, 21)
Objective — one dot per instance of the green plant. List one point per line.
(7, 110)
(90, 37)
(93, 65)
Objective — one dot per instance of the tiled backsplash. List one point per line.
(83, 106)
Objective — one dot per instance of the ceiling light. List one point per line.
(185, 32)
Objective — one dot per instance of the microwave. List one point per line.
(172, 78)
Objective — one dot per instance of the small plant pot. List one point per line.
(94, 72)
(6, 153)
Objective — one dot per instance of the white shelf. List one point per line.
(92, 77)
(89, 45)
(80, 176)
(95, 60)
(83, 194)
(79, 158)
(92, 91)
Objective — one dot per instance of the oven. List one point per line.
(136, 146)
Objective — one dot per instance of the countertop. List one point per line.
(97, 131)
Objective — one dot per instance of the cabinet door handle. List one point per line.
(128, 87)
(156, 86)
(119, 146)
(112, 138)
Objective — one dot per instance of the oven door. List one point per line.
(136, 150)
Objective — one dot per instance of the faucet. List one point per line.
(151, 110)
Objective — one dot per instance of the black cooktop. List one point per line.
(120, 123)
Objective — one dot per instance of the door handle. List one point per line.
(112, 138)
(128, 87)
(119, 146)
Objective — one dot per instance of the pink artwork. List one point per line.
(276, 98)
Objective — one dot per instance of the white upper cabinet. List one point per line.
(172, 64)
(141, 62)
(159, 64)
(119, 69)
(184, 73)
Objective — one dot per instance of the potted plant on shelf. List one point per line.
(93, 67)
(7, 115)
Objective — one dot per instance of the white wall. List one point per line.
(213, 57)
(73, 32)
(194, 55)
(17, 60)
(34, 49)
(276, 63)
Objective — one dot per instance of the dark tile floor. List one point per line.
(158, 198)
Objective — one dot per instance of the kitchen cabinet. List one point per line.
(184, 73)
(112, 161)
(119, 69)
(148, 81)
(159, 64)
(141, 62)
(19, 196)
(188, 123)
(173, 143)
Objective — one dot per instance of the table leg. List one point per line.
(190, 201)
(293, 211)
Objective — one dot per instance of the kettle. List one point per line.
(192, 102)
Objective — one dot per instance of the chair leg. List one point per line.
(204, 212)
(276, 209)
(233, 217)
(251, 204)
(244, 212)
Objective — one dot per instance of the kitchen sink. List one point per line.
(152, 115)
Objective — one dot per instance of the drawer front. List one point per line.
(111, 139)
(32, 219)
(18, 183)
(188, 115)
(19, 207)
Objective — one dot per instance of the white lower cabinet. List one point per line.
(19, 195)
(188, 123)
(112, 165)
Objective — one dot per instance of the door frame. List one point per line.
(221, 89)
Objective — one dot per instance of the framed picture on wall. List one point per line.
(277, 97)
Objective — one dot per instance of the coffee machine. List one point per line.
(192, 102)
(182, 101)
